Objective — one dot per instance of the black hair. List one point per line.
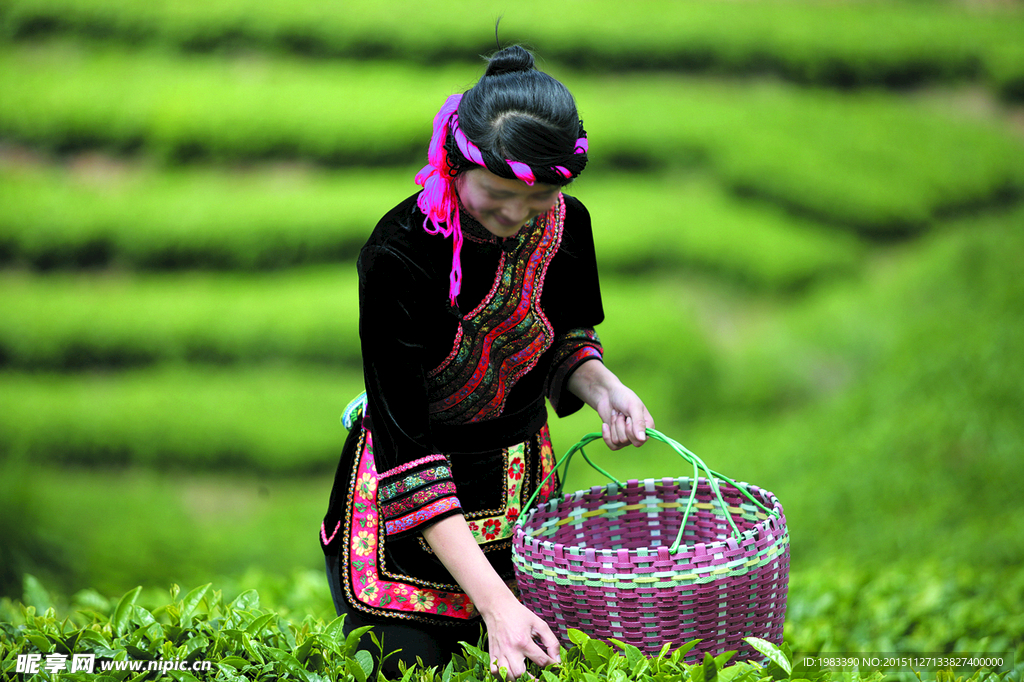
(519, 113)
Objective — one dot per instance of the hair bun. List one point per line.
(509, 60)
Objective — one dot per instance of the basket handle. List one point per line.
(713, 477)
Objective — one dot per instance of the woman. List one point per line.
(478, 298)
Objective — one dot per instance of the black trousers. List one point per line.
(431, 644)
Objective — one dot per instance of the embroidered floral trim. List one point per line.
(496, 526)
(490, 527)
(547, 465)
(391, 491)
(422, 515)
(402, 468)
(419, 498)
(367, 583)
(364, 583)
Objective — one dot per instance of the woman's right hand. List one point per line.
(514, 634)
(512, 629)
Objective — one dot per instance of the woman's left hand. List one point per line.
(624, 416)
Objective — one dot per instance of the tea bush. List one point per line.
(809, 42)
(145, 219)
(139, 525)
(80, 321)
(676, 223)
(894, 168)
(179, 107)
(280, 419)
(76, 321)
(243, 639)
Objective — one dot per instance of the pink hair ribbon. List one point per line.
(439, 200)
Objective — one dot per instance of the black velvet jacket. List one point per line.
(450, 391)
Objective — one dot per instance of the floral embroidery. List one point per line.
(418, 499)
(491, 528)
(368, 585)
(547, 465)
(392, 490)
(367, 485)
(368, 545)
(371, 591)
(462, 603)
(495, 525)
(369, 521)
(421, 515)
(363, 543)
(422, 601)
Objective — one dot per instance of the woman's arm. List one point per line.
(511, 627)
(624, 416)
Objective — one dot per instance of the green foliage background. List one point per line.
(810, 227)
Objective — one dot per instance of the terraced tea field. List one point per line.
(809, 220)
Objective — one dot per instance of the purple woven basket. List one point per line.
(658, 561)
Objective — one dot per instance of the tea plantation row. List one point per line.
(277, 632)
(891, 44)
(891, 169)
(144, 218)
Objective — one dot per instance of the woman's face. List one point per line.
(501, 205)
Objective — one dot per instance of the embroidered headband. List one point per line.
(439, 200)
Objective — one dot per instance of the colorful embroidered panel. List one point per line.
(503, 337)
(366, 579)
(367, 582)
(497, 525)
(415, 493)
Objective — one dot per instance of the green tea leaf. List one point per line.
(90, 638)
(257, 625)
(335, 629)
(248, 600)
(365, 661)
(236, 662)
(578, 637)
(772, 652)
(352, 665)
(352, 640)
(635, 659)
(597, 652)
(123, 611)
(191, 602)
(41, 641)
(709, 668)
(301, 652)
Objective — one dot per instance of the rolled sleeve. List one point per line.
(417, 494)
(571, 350)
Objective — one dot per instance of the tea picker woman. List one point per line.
(478, 300)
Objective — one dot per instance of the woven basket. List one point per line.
(658, 561)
